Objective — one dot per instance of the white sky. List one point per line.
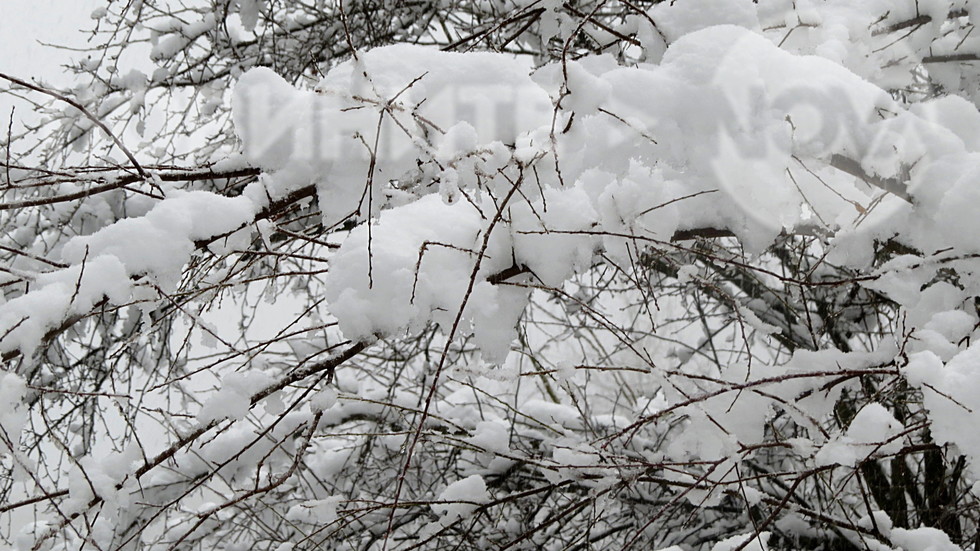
(24, 24)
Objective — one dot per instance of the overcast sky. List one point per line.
(24, 25)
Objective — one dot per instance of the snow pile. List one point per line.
(461, 499)
(922, 539)
(161, 242)
(469, 179)
(415, 265)
(319, 512)
(552, 237)
(951, 394)
(175, 35)
(680, 18)
(414, 144)
(248, 12)
(730, 149)
(56, 296)
(106, 477)
(233, 400)
(491, 437)
(873, 431)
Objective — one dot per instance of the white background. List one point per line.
(24, 26)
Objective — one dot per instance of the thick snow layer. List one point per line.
(320, 512)
(676, 19)
(233, 400)
(725, 119)
(456, 169)
(415, 265)
(922, 539)
(491, 436)
(58, 295)
(731, 150)
(873, 431)
(462, 498)
(161, 242)
(248, 12)
(951, 394)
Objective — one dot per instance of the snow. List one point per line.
(160, 243)
(491, 436)
(951, 394)
(547, 241)
(323, 400)
(954, 113)
(873, 431)
(879, 520)
(100, 476)
(298, 148)
(758, 542)
(26, 320)
(730, 127)
(248, 11)
(13, 413)
(320, 512)
(105, 264)
(587, 92)
(551, 414)
(417, 267)
(572, 461)
(183, 35)
(327, 136)
(687, 273)
(922, 539)
(233, 400)
(676, 19)
(702, 84)
(462, 498)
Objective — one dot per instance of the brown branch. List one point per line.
(33, 500)
(915, 22)
(125, 180)
(949, 58)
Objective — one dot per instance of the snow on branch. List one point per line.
(480, 275)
